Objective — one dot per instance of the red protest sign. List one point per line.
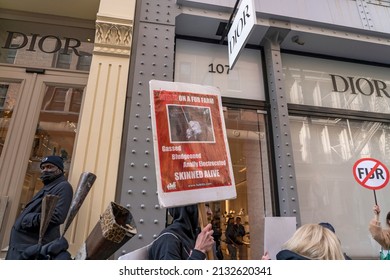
(192, 155)
(371, 173)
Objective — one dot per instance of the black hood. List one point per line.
(289, 255)
(185, 228)
(185, 221)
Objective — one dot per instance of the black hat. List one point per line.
(56, 160)
(328, 226)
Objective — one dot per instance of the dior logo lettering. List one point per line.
(46, 44)
(360, 85)
(239, 28)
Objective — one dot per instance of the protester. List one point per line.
(180, 240)
(381, 235)
(331, 228)
(239, 229)
(217, 234)
(239, 237)
(312, 242)
(25, 232)
(231, 241)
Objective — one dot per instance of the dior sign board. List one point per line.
(241, 29)
(355, 85)
(46, 44)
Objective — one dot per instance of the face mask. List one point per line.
(48, 176)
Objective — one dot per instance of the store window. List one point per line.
(84, 61)
(8, 97)
(325, 150)
(207, 64)
(249, 154)
(55, 134)
(63, 60)
(336, 84)
(338, 116)
(32, 44)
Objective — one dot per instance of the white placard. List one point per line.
(277, 230)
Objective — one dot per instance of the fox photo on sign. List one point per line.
(190, 145)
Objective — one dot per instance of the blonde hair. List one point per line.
(315, 242)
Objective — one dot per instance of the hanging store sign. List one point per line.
(192, 156)
(241, 29)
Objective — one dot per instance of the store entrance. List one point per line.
(246, 132)
(39, 113)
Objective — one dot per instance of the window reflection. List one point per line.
(55, 134)
(9, 93)
(46, 52)
(325, 150)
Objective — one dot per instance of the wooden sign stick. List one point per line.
(203, 222)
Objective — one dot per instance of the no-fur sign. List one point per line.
(371, 173)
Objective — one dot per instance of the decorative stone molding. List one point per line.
(113, 38)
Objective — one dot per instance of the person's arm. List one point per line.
(64, 192)
(381, 236)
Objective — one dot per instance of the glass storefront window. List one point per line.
(248, 148)
(64, 47)
(8, 96)
(55, 134)
(325, 151)
(336, 84)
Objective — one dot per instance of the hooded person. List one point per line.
(25, 232)
(180, 240)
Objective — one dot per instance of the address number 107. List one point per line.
(219, 68)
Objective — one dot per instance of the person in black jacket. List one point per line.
(25, 232)
(180, 240)
(231, 240)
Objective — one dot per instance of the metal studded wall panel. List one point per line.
(284, 161)
(152, 58)
(377, 14)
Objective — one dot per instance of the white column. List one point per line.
(98, 142)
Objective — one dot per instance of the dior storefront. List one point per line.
(338, 114)
(43, 75)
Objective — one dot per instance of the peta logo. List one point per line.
(171, 186)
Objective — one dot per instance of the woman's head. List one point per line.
(388, 219)
(315, 242)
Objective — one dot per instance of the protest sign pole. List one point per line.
(203, 222)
